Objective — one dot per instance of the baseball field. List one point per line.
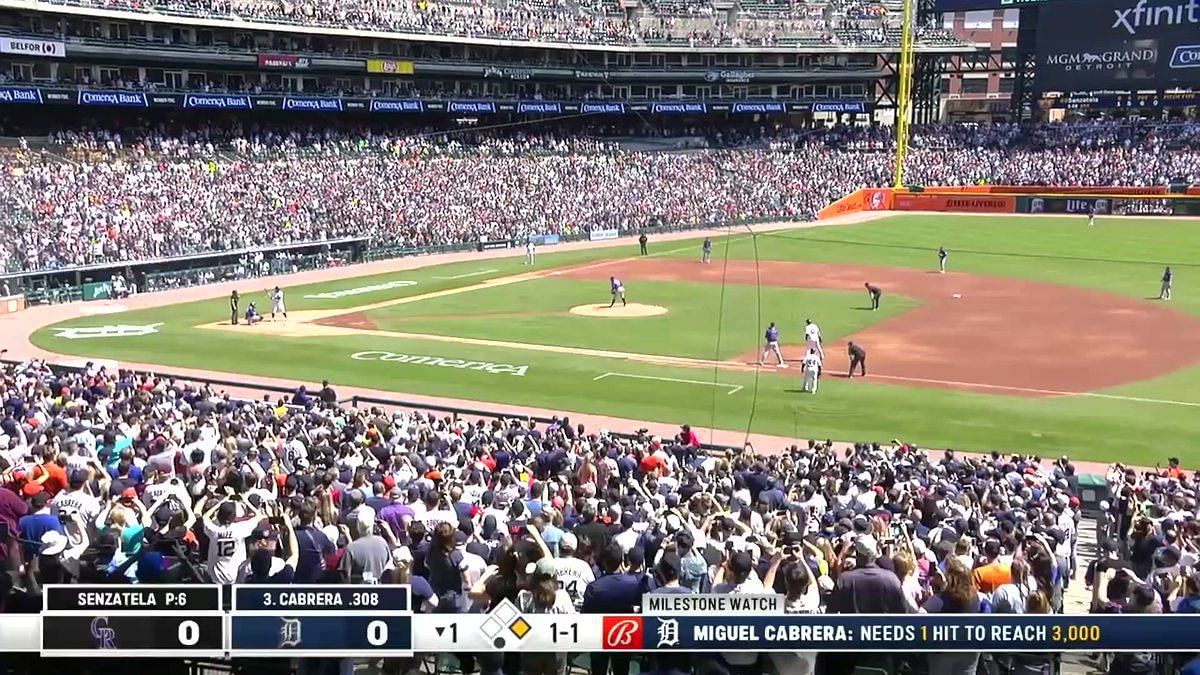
(1044, 335)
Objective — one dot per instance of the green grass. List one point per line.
(1123, 256)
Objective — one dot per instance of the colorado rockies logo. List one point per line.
(119, 330)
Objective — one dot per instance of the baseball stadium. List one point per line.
(679, 337)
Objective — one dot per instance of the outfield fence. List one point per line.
(95, 282)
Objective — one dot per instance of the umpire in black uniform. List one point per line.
(858, 359)
(233, 308)
(642, 242)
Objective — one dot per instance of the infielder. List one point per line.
(772, 346)
(1164, 291)
(277, 305)
(812, 338)
(812, 371)
(706, 251)
(530, 252)
(875, 292)
(618, 291)
(942, 255)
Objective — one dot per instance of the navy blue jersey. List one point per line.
(772, 334)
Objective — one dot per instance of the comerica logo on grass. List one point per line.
(418, 360)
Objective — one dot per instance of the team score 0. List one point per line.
(1075, 633)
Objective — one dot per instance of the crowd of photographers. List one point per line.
(123, 478)
(143, 193)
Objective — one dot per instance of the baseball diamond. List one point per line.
(1016, 346)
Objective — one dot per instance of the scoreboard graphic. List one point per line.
(378, 621)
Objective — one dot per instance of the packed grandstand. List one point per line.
(112, 476)
(92, 196)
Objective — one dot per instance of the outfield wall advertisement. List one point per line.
(1086, 45)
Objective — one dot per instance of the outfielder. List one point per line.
(1164, 291)
(942, 255)
(706, 250)
(812, 371)
(277, 305)
(618, 291)
(772, 346)
(530, 252)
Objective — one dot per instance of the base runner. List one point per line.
(771, 337)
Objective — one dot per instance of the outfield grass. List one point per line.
(1123, 256)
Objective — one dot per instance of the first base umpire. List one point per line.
(858, 359)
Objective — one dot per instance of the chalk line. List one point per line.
(467, 275)
(733, 388)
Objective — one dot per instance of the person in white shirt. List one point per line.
(812, 367)
(573, 574)
(530, 252)
(227, 539)
(812, 338)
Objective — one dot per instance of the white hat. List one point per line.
(53, 542)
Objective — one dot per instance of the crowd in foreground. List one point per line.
(145, 193)
(125, 478)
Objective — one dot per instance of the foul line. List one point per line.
(1028, 390)
(733, 388)
(469, 274)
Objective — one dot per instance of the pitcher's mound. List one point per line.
(632, 310)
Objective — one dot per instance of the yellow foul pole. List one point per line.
(904, 111)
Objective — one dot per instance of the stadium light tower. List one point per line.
(904, 113)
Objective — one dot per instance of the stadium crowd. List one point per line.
(125, 478)
(533, 20)
(148, 192)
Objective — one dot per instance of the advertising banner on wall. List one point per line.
(389, 67)
(1086, 45)
(30, 47)
(284, 61)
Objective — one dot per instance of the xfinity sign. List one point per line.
(1132, 19)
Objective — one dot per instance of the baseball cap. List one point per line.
(866, 545)
(543, 567)
(264, 532)
(53, 543)
(569, 542)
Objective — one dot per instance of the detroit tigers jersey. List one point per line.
(227, 548)
(812, 333)
(573, 576)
